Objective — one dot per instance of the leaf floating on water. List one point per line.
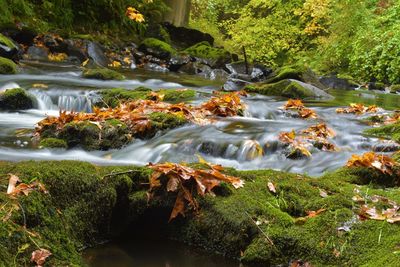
(39, 256)
(40, 85)
(294, 104)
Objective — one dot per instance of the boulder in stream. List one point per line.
(8, 48)
(289, 88)
(15, 99)
(157, 48)
(7, 66)
(212, 56)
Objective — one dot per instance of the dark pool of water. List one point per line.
(153, 253)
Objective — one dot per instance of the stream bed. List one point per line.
(229, 141)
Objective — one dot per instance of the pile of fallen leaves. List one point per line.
(358, 109)
(314, 136)
(371, 160)
(377, 208)
(135, 114)
(298, 106)
(187, 183)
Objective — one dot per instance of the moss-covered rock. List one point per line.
(395, 88)
(7, 47)
(163, 121)
(287, 88)
(113, 97)
(215, 57)
(7, 66)
(391, 131)
(157, 48)
(295, 72)
(15, 99)
(95, 136)
(53, 143)
(102, 74)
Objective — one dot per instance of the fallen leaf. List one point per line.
(39, 256)
(12, 183)
(271, 187)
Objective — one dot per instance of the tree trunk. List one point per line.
(179, 13)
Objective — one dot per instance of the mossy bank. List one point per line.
(87, 204)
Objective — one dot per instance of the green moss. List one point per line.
(7, 42)
(163, 121)
(287, 72)
(205, 50)
(395, 88)
(53, 143)
(391, 131)
(285, 88)
(7, 66)
(113, 97)
(159, 45)
(102, 74)
(108, 135)
(15, 99)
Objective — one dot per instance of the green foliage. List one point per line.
(360, 38)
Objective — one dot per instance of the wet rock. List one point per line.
(157, 48)
(288, 88)
(254, 73)
(295, 72)
(233, 84)
(387, 146)
(334, 82)
(185, 37)
(7, 66)
(177, 61)
(138, 56)
(37, 53)
(77, 49)
(102, 74)
(212, 56)
(8, 48)
(155, 67)
(376, 86)
(15, 99)
(96, 53)
(395, 88)
(22, 35)
(157, 31)
(218, 74)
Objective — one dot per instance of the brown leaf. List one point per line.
(312, 213)
(271, 187)
(39, 256)
(12, 183)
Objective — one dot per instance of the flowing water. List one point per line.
(230, 141)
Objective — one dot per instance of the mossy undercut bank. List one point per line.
(102, 74)
(88, 203)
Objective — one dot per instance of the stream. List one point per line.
(229, 141)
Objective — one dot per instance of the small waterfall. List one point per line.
(59, 100)
(42, 100)
(75, 103)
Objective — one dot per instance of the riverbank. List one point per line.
(316, 220)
